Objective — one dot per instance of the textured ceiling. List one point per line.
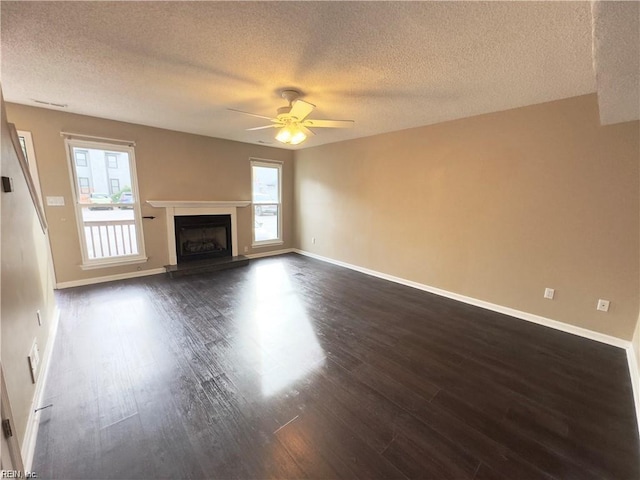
(386, 65)
(616, 52)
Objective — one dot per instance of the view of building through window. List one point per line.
(266, 202)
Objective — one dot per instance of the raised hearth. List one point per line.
(206, 266)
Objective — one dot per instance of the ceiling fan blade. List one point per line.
(328, 123)
(247, 113)
(301, 109)
(306, 131)
(275, 125)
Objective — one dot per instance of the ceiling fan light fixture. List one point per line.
(298, 138)
(291, 134)
(292, 122)
(284, 135)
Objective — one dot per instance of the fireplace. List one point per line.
(200, 237)
(181, 208)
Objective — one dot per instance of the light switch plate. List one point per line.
(55, 201)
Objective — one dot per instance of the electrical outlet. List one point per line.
(603, 305)
(549, 293)
(39, 317)
(313, 240)
(246, 249)
(34, 360)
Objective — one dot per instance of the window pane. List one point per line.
(265, 185)
(84, 185)
(23, 144)
(109, 232)
(265, 194)
(81, 158)
(105, 181)
(266, 222)
(112, 160)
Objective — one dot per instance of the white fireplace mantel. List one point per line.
(175, 208)
(197, 203)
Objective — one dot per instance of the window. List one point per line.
(112, 160)
(81, 158)
(83, 183)
(110, 231)
(26, 142)
(23, 144)
(266, 197)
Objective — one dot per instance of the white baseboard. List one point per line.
(269, 254)
(632, 358)
(31, 435)
(109, 278)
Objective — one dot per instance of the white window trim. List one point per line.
(113, 262)
(88, 263)
(258, 162)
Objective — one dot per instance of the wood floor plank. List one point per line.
(419, 454)
(476, 443)
(403, 429)
(295, 368)
(558, 435)
(326, 435)
(551, 462)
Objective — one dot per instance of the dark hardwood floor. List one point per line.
(294, 368)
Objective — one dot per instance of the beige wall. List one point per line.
(170, 166)
(26, 285)
(495, 207)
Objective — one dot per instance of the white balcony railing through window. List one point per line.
(110, 238)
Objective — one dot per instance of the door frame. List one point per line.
(15, 456)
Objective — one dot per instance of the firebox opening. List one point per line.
(199, 237)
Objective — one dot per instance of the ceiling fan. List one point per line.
(293, 122)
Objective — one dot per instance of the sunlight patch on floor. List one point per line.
(289, 347)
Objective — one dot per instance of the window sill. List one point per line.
(113, 263)
(268, 243)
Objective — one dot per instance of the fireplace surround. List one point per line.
(175, 208)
